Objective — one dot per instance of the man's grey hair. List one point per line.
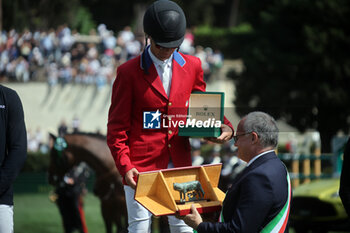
(264, 125)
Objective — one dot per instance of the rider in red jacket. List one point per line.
(149, 88)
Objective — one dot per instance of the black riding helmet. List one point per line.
(165, 22)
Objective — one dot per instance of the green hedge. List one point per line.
(231, 41)
(36, 162)
(33, 176)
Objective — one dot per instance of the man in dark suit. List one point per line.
(259, 198)
(13, 152)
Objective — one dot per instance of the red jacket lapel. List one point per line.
(179, 73)
(154, 80)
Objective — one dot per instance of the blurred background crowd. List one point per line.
(64, 56)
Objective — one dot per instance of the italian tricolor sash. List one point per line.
(277, 224)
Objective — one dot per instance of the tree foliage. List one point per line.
(297, 65)
(83, 21)
(115, 14)
(45, 14)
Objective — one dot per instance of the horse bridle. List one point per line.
(59, 146)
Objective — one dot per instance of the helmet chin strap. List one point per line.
(143, 55)
(146, 41)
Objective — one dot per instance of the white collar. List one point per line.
(256, 157)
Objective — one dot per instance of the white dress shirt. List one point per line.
(164, 69)
(256, 157)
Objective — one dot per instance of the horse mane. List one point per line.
(91, 148)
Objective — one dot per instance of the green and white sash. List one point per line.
(277, 224)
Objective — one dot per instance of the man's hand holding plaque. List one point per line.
(226, 134)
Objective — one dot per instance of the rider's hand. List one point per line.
(129, 177)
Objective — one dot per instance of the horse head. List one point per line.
(61, 159)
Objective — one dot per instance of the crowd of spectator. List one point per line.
(64, 56)
(38, 140)
(213, 153)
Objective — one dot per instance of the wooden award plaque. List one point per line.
(155, 190)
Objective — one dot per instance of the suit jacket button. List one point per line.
(170, 103)
(170, 132)
(169, 145)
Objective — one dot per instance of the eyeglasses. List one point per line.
(236, 137)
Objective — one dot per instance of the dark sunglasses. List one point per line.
(236, 137)
(161, 47)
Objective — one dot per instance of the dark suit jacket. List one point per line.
(13, 142)
(257, 195)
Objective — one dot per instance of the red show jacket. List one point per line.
(138, 88)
